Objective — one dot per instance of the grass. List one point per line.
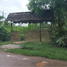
(6, 42)
(44, 50)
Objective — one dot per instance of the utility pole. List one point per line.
(40, 34)
(2, 13)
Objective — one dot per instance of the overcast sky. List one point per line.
(10, 6)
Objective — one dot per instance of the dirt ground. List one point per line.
(18, 42)
(15, 60)
(10, 46)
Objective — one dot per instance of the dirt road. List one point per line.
(14, 60)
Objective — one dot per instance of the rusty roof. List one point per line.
(25, 17)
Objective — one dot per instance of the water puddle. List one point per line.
(41, 63)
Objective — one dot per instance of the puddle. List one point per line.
(41, 63)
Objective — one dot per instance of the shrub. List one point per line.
(59, 41)
(4, 34)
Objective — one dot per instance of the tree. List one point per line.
(58, 7)
(4, 34)
(1, 17)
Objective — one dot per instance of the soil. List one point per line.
(10, 46)
(19, 42)
(15, 60)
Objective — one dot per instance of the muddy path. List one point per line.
(15, 60)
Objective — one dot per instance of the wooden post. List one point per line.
(51, 28)
(40, 34)
(10, 30)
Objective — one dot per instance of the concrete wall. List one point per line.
(15, 36)
(34, 35)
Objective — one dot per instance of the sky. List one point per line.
(10, 6)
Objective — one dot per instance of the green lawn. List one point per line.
(44, 50)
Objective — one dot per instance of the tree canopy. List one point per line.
(58, 7)
(35, 5)
(1, 17)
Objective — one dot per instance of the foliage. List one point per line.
(60, 42)
(6, 24)
(44, 50)
(58, 7)
(33, 26)
(4, 35)
(1, 17)
(39, 6)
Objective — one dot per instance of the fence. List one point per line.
(34, 35)
(15, 36)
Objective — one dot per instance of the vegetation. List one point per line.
(54, 50)
(4, 35)
(4, 43)
(44, 50)
(58, 7)
(5, 29)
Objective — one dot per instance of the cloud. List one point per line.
(9, 6)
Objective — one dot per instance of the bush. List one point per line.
(4, 34)
(59, 41)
